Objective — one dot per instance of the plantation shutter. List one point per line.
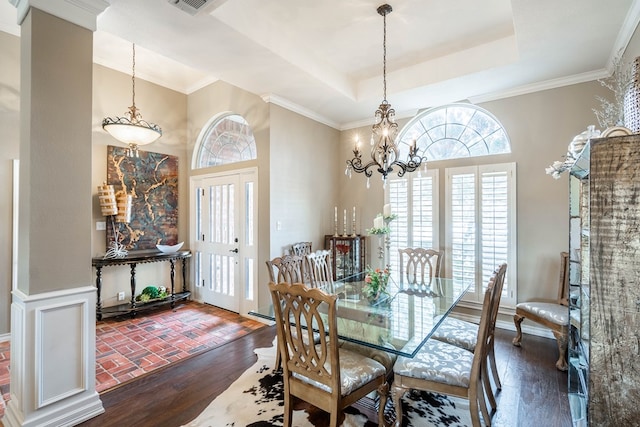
(481, 205)
(414, 200)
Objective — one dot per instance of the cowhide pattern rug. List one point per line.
(256, 399)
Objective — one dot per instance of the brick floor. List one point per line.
(127, 348)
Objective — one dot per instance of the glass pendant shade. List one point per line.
(131, 129)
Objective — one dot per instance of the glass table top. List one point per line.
(399, 324)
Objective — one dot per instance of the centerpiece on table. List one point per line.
(375, 284)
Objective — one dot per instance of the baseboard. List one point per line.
(5, 337)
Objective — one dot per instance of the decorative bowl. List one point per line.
(169, 249)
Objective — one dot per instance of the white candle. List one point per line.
(386, 210)
(378, 222)
(335, 215)
(353, 220)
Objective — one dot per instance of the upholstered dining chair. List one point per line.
(324, 375)
(465, 335)
(287, 268)
(444, 368)
(319, 267)
(551, 314)
(418, 266)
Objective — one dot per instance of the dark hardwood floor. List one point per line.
(534, 392)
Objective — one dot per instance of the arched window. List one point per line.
(453, 131)
(226, 139)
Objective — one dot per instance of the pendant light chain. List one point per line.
(133, 76)
(384, 58)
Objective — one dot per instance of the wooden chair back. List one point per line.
(296, 305)
(287, 268)
(418, 266)
(318, 265)
(301, 248)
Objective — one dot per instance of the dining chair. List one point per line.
(324, 375)
(318, 264)
(551, 314)
(418, 266)
(465, 335)
(301, 249)
(444, 368)
(286, 268)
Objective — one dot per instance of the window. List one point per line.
(414, 200)
(455, 131)
(480, 226)
(227, 139)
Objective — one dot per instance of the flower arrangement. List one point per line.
(376, 282)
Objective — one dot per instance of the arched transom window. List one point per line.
(228, 139)
(453, 131)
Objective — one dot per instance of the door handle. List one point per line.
(234, 250)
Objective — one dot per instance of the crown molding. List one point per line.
(537, 87)
(80, 12)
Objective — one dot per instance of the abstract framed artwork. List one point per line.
(152, 181)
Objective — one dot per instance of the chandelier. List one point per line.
(384, 151)
(131, 129)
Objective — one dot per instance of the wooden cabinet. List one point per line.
(347, 255)
(604, 366)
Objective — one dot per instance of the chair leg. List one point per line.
(333, 420)
(383, 392)
(494, 367)
(487, 386)
(562, 340)
(396, 395)
(480, 396)
(288, 410)
(517, 320)
(473, 407)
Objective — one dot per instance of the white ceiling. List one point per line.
(324, 58)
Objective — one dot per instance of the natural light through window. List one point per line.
(455, 131)
(229, 139)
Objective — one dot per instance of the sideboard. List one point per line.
(132, 260)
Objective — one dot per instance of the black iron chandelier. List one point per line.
(385, 152)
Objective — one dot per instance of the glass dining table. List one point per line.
(398, 323)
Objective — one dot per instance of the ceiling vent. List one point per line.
(190, 6)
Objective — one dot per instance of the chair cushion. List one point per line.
(551, 311)
(437, 361)
(457, 332)
(355, 371)
(385, 358)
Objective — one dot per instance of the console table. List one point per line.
(133, 259)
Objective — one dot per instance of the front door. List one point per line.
(224, 247)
